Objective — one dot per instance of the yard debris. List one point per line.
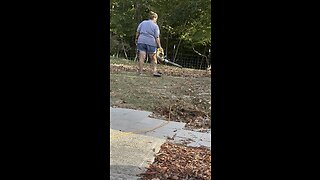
(186, 141)
(184, 94)
(166, 70)
(180, 162)
(182, 111)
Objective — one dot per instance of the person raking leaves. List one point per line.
(148, 41)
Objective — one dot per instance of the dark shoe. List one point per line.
(157, 74)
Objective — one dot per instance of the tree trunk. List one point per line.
(137, 13)
(124, 50)
(179, 44)
(166, 53)
(206, 58)
(204, 51)
(174, 58)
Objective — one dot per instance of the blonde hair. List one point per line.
(153, 15)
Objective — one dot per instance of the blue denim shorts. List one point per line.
(146, 48)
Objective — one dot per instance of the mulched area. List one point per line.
(180, 162)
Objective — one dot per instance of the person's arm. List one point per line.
(158, 42)
(138, 33)
(157, 35)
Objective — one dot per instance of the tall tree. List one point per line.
(184, 23)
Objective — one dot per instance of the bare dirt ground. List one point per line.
(182, 95)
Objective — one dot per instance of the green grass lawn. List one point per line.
(186, 98)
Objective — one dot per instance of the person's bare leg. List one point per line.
(153, 58)
(142, 56)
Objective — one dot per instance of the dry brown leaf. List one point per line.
(182, 162)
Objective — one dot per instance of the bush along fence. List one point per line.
(182, 54)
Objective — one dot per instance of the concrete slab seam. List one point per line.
(138, 132)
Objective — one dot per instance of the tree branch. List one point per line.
(198, 52)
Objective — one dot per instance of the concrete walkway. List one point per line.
(135, 139)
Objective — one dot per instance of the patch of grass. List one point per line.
(186, 99)
(114, 60)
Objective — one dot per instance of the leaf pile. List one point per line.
(182, 111)
(180, 162)
(114, 68)
(166, 70)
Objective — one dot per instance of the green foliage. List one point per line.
(186, 20)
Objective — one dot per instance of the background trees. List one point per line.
(185, 26)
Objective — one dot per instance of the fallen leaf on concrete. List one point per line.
(180, 162)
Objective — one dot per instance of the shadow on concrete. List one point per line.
(125, 172)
